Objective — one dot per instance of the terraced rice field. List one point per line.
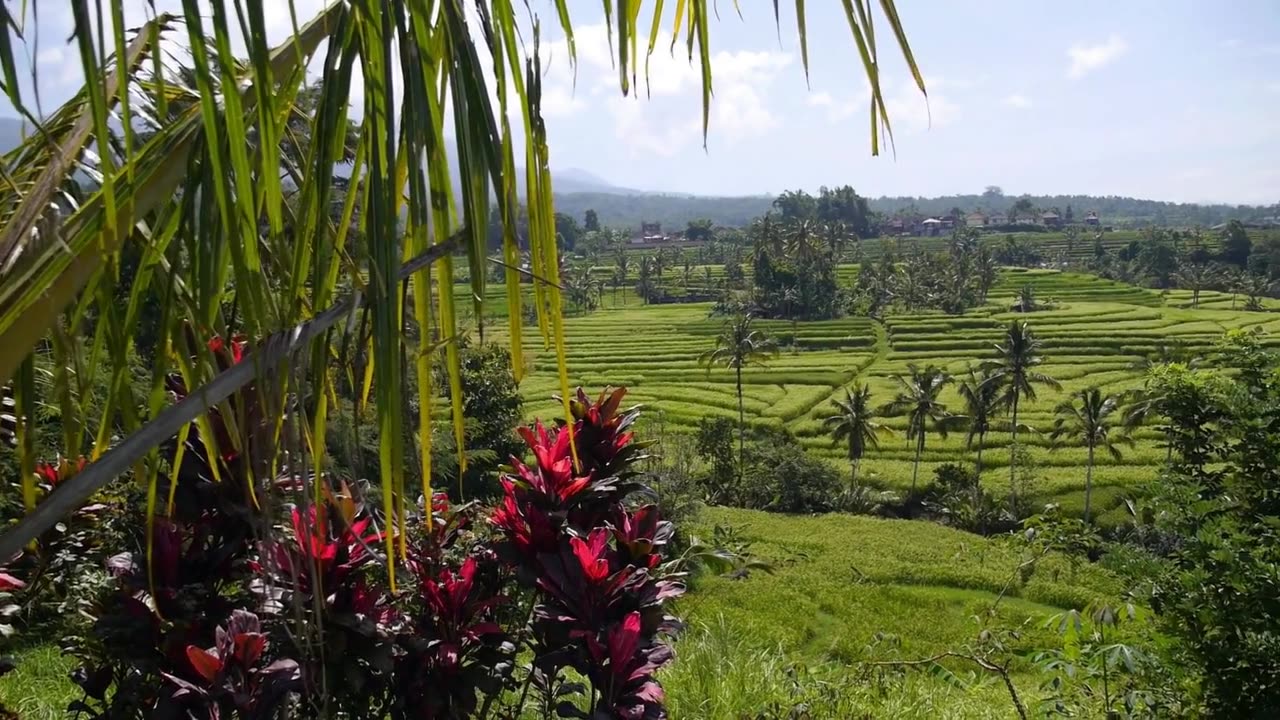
(1094, 334)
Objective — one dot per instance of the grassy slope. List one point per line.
(838, 581)
(40, 688)
(1097, 330)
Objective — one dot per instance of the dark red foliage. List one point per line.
(567, 575)
(456, 648)
(599, 603)
(330, 550)
(228, 677)
(230, 352)
(623, 670)
(54, 473)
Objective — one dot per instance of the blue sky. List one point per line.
(1171, 99)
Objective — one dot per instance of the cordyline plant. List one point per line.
(554, 599)
(593, 562)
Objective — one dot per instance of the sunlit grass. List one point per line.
(837, 581)
(40, 688)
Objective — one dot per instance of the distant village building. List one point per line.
(912, 224)
(650, 234)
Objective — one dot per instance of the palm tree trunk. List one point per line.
(1013, 455)
(977, 478)
(742, 424)
(978, 464)
(853, 465)
(1088, 485)
(915, 471)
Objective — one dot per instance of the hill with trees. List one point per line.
(627, 209)
(1113, 209)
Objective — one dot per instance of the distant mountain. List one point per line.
(622, 210)
(1112, 209)
(577, 180)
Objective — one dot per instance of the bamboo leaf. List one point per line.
(891, 14)
(274, 350)
(802, 29)
(653, 40)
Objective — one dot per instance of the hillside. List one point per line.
(837, 583)
(619, 207)
(1114, 210)
(673, 211)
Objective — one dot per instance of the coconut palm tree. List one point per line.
(1088, 417)
(1195, 277)
(855, 424)
(766, 238)
(918, 399)
(981, 403)
(658, 263)
(1014, 372)
(739, 345)
(458, 76)
(686, 276)
(1255, 287)
(620, 267)
(836, 235)
(646, 285)
(583, 287)
(802, 239)
(1236, 279)
(790, 296)
(1145, 403)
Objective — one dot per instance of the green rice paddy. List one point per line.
(1094, 333)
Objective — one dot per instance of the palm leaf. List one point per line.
(238, 224)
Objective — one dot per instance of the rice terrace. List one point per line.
(497, 360)
(1098, 333)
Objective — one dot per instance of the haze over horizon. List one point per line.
(1163, 100)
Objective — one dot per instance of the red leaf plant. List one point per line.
(568, 575)
(229, 678)
(594, 563)
(455, 649)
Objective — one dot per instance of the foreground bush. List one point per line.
(261, 599)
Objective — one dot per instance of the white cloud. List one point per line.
(651, 133)
(910, 110)
(560, 100)
(819, 99)
(1020, 102)
(663, 114)
(1087, 58)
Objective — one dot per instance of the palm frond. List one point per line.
(225, 189)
